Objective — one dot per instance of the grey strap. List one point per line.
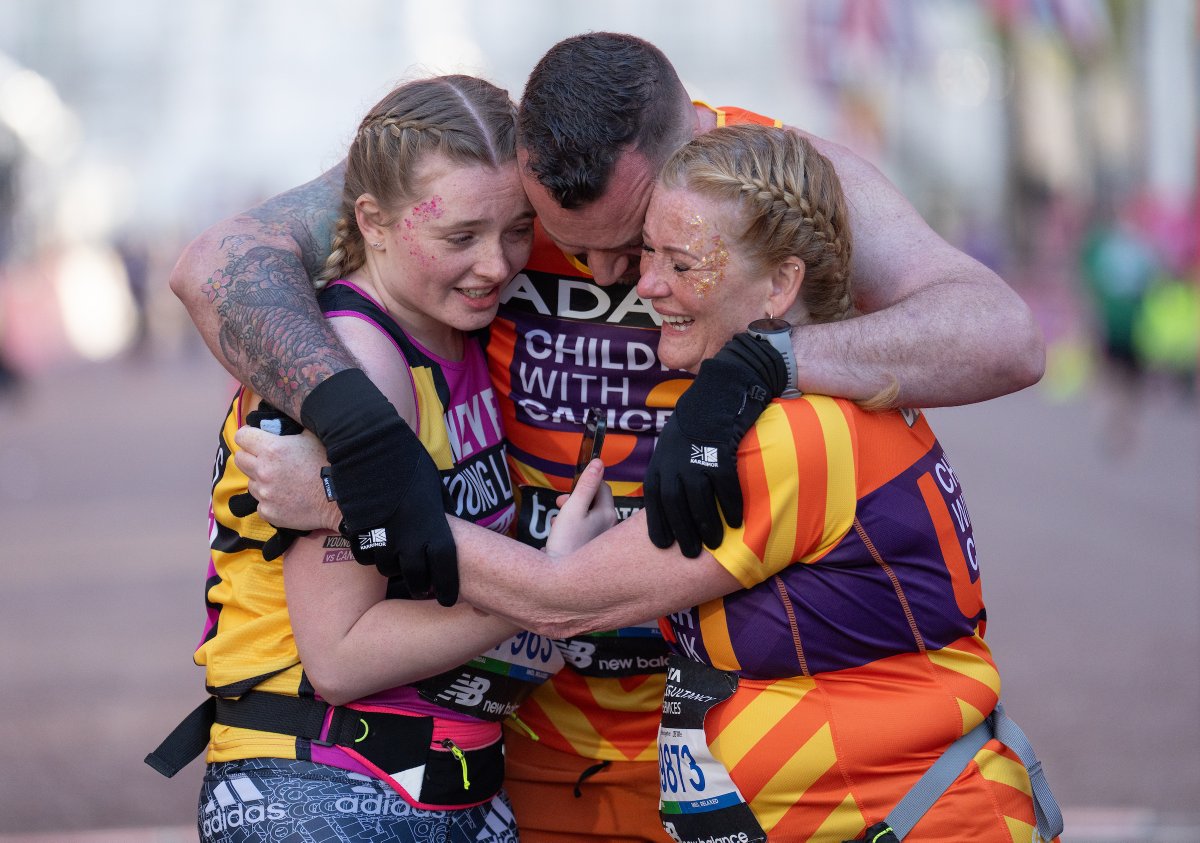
(1049, 815)
(949, 766)
(933, 784)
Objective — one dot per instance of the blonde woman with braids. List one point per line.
(340, 709)
(830, 649)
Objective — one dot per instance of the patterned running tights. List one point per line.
(272, 799)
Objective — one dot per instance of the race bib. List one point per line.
(491, 686)
(630, 651)
(698, 800)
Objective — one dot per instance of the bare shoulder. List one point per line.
(376, 354)
(896, 252)
(865, 186)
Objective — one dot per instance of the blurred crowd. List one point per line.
(1085, 200)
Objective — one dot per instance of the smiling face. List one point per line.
(696, 278)
(446, 255)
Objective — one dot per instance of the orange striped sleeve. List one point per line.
(756, 525)
(831, 467)
(799, 500)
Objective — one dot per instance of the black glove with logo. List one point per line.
(694, 465)
(387, 486)
(267, 418)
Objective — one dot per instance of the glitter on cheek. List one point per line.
(696, 231)
(424, 259)
(711, 269)
(423, 212)
(431, 209)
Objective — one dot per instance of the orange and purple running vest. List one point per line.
(856, 640)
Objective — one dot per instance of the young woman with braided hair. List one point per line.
(831, 648)
(341, 709)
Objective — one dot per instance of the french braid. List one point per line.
(789, 202)
(468, 120)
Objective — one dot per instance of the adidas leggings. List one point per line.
(274, 799)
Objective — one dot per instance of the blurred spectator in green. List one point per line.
(1166, 335)
(1117, 267)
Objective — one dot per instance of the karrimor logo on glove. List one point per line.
(373, 539)
(704, 455)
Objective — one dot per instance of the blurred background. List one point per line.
(1054, 140)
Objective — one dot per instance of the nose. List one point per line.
(651, 284)
(493, 264)
(607, 267)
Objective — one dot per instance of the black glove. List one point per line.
(271, 420)
(694, 465)
(387, 486)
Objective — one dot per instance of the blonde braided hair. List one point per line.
(466, 119)
(787, 200)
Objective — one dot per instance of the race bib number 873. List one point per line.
(698, 799)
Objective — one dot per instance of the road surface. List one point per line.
(1091, 575)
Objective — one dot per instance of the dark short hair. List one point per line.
(591, 98)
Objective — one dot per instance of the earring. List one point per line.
(376, 245)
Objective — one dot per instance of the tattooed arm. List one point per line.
(246, 283)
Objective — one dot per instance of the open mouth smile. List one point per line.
(677, 323)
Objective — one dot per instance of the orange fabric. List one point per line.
(618, 804)
(880, 449)
(968, 595)
(608, 719)
(728, 115)
(857, 543)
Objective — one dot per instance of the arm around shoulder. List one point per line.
(246, 284)
(936, 322)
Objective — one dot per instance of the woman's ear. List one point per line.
(370, 219)
(785, 285)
